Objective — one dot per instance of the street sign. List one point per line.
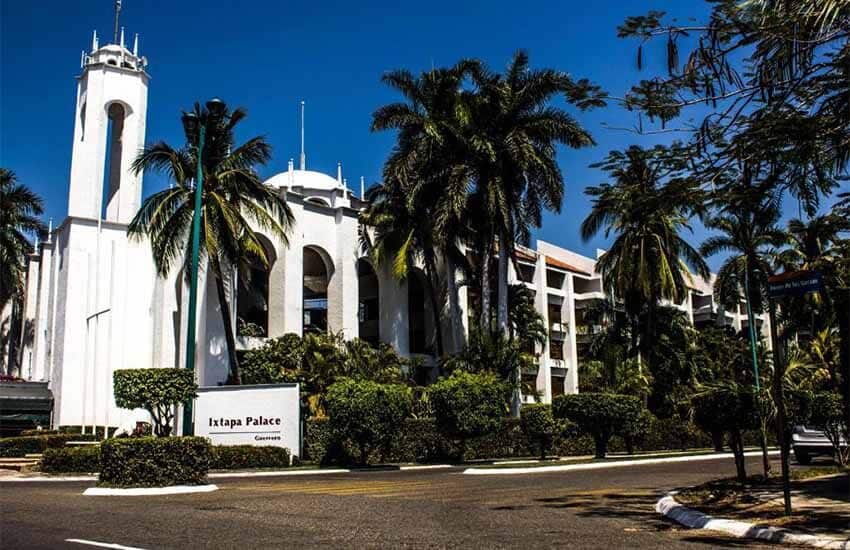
(262, 415)
(794, 283)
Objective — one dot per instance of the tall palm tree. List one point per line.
(513, 134)
(419, 210)
(233, 203)
(647, 208)
(19, 211)
(750, 234)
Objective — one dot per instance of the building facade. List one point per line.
(94, 303)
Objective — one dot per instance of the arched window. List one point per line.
(420, 323)
(316, 278)
(318, 200)
(368, 302)
(252, 301)
(112, 167)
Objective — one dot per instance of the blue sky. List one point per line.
(267, 56)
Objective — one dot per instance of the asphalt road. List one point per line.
(608, 508)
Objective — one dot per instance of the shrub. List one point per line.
(732, 409)
(25, 433)
(20, 446)
(367, 413)
(155, 390)
(277, 361)
(635, 429)
(539, 426)
(467, 405)
(71, 459)
(827, 414)
(235, 457)
(599, 414)
(154, 461)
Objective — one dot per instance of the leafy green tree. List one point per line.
(539, 426)
(827, 414)
(234, 202)
(278, 361)
(19, 212)
(729, 407)
(468, 405)
(599, 414)
(157, 391)
(368, 413)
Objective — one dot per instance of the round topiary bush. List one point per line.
(539, 426)
(599, 414)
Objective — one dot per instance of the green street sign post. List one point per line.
(792, 283)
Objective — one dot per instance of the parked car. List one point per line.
(807, 443)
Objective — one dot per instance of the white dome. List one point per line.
(306, 179)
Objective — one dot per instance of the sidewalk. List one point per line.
(821, 506)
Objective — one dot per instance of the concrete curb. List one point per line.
(46, 478)
(148, 491)
(670, 508)
(603, 465)
(277, 473)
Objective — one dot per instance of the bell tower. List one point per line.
(109, 131)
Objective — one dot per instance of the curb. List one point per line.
(46, 478)
(277, 473)
(603, 465)
(671, 509)
(149, 491)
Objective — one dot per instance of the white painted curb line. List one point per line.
(276, 473)
(426, 467)
(602, 465)
(149, 491)
(669, 508)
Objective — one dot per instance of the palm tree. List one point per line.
(647, 207)
(19, 211)
(234, 201)
(750, 235)
(513, 133)
(419, 211)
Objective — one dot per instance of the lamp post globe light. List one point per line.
(195, 130)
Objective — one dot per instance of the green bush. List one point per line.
(539, 426)
(236, 457)
(98, 430)
(155, 390)
(827, 414)
(635, 429)
(277, 361)
(367, 413)
(25, 433)
(731, 409)
(71, 460)
(468, 405)
(154, 461)
(20, 446)
(599, 414)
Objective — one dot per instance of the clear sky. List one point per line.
(266, 56)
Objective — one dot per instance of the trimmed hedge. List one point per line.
(71, 460)
(26, 433)
(602, 415)
(20, 446)
(539, 426)
(236, 457)
(154, 461)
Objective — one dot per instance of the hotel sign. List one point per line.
(250, 415)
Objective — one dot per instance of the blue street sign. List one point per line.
(794, 283)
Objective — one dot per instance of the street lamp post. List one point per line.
(193, 126)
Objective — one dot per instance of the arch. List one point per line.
(319, 201)
(368, 302)
(420, 317)
(116, 113)
(317, 272)
(252, 295)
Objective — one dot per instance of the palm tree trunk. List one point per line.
(502, 319)
(235, 377)
(485, 289)
(431, 268)
(454, 304)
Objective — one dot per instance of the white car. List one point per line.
(807, 442)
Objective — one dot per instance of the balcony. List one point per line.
(558, 331)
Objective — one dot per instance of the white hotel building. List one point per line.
(94, 303)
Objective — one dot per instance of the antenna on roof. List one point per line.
(117, 14)
(303, 155)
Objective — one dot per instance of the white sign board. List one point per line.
(249, 415)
